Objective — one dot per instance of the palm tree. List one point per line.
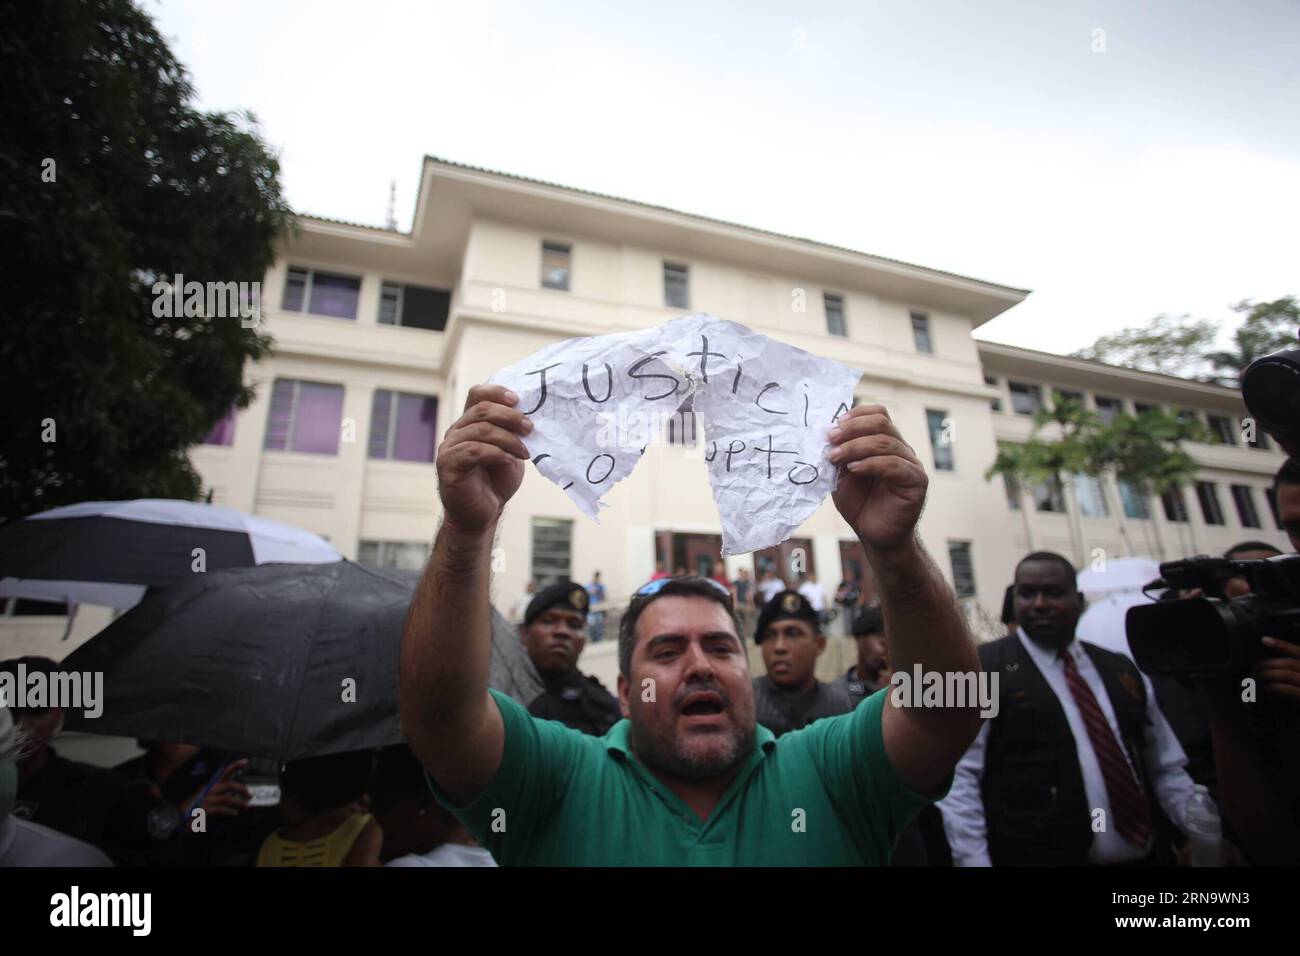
(1145, 451)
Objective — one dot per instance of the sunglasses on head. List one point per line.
(654, 587)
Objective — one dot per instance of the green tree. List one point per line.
(111, 181)
(1185, 347)
(1168, 344)
(1267, 327)
(1053, 458)
(1068, 440)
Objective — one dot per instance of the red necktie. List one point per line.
(1127, 805)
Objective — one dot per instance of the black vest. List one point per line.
(1035, 805)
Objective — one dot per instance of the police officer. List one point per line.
(866, 676)
(553, 633)
(789, 696)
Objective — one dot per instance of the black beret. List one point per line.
(786, 604)
(871, 620)
(566, 594)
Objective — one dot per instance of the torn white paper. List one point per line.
(765, 408)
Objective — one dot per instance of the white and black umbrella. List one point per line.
(281, 661)
(109, 552)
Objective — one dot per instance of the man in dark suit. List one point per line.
(1075, 765)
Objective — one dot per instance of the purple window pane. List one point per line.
(381, 407)
(316, 424)
(223, 432)
(294, 287)
(334, 295)
(416, 424)
(277, 425)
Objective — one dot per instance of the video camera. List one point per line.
(1211, 635)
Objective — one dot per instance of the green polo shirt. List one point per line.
(825, 795)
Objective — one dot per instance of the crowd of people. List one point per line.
(1083, 760)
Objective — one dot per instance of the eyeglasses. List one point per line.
(654, 587)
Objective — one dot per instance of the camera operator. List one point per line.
(1256, 747)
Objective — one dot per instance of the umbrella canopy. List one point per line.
(108, 552)
(281, 661)
(1111, 592)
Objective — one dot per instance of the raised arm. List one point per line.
(447, 715)
(880, 493)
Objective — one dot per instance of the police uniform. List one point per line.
(782, 709)
(575, 699)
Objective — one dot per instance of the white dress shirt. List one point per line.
(963, 808)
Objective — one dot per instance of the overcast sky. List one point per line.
(988, 139)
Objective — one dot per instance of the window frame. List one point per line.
(1208, 491)
(843, 333)
(924, 317)
(966, 548)
(292, 423)
(1032, 389)
(554, 245)
(685, 270)
(1246, 492)
(935, 443)
(311, 272)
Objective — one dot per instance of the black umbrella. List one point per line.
(282, 661)
(108, 552)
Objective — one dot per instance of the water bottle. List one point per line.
(1204, 831)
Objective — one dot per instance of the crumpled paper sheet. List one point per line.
(765, 408)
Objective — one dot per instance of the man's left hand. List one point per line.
(882, 485)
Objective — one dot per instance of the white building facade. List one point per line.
(379, 335)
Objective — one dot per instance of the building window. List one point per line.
(1270, 495)
(835, 324)
(325, 293)
(677, 286)
(555, 266)
(1012, 489)
(1135, 503)
(963, 572)
(681, 424)
(1062, 395)
(223, 432)
(994, 403)
(403, 426)
(921, 333)
(401, 555)
(1109, 409)
(1049, 497)
(1222, 431)
(1245, 503)
(552, 549)
(1025, 399)
(414, 306)
(1258, 439)
(1188, 415)
(1092, 501)
(1208, 495)
(1141, 408)
(940, 426)
(1175, 507)
(305, 417)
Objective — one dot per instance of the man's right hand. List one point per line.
(481, 461)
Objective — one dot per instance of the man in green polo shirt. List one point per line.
(688, 777)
